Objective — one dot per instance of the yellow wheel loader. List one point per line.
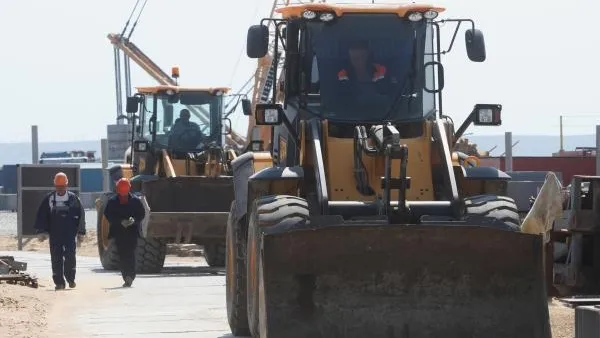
(181, 168)
(360, 221)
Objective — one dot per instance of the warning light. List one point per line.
(175, 72)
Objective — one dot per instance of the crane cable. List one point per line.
(136, 19)
(129, 19)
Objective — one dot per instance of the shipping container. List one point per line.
(9, 178)
(91, 179)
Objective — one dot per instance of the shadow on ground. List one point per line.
(174, 271)
(186, 271)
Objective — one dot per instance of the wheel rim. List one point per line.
(105, 226)
(230, 271)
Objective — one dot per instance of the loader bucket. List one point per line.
(398, 281)
(189, 194)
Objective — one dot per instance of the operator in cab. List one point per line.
(61, 217)
(124, 213)
(185, 134)
(362, 80)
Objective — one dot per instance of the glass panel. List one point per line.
(368, 67)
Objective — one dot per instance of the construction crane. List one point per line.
(122, 44)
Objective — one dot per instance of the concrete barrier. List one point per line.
(8, 202)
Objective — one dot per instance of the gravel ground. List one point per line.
(8, 222)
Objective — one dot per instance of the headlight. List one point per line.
(309, 15)
(271, 116)
(486, 115)
(326, 17)
(170, 92)
(415, 16)
(430, 14)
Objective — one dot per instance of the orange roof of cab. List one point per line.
(341, 9)
(160, 88)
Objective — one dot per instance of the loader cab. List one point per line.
(358, 65)
(362, 64)
(365, 66)
(179, 120)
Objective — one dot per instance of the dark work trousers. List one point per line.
(62, 255)
(126, 245)
(62, 245)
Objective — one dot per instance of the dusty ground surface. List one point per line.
(25, 312)
(562, 319)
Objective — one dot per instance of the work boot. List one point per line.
(59, 287)
(128, 282)
(72, 285)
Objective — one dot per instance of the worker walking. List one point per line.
(61, 217)
(124, 212)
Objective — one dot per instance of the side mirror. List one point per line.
(269, 114)
(226, 131)
(168, 116)
(487, 115)
(475, 45)
(257, 41)
(132, 105)
(141, 146)
(247, 107)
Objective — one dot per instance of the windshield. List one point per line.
(184, 122)
(369, 68)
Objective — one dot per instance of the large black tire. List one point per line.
(493, 211)
(109, 257)
(267, 212)
(215, 255)
(150, 255)
(235, 282)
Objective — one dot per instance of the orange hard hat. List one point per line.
(60, 179)
(123, 186)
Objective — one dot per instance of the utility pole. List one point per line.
(508, 158)
(561, 135)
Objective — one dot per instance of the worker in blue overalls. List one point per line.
(125, 212)
(62, 218)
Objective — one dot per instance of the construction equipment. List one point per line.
(11, 272)
(188, 191)
(575, 239)
(361, 221)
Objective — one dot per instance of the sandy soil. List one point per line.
(562, 319)
(24, 311)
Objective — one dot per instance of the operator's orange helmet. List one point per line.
(60, 179)
(123, 186)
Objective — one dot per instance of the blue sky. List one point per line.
(57, 63)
